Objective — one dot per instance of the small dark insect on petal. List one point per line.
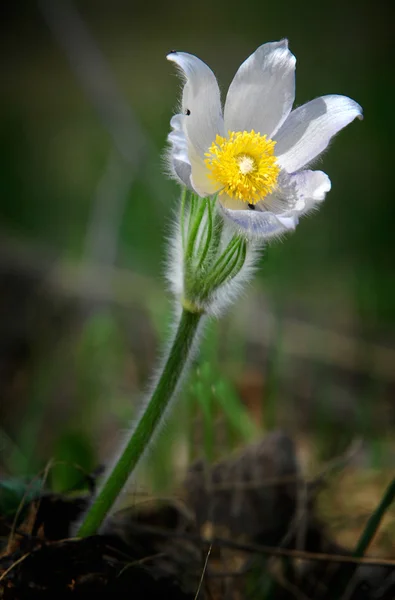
(251, 206)
(187, 112)
(173, 52)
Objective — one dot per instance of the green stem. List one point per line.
(346, 581)
(142, 434)
(375, 520)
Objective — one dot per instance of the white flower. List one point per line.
(254, 154)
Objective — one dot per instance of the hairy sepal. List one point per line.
(208, 263)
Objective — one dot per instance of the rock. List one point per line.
(250, 495)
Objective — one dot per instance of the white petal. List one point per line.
(262, 92)
(259, 224)
(201, 101)
(199, 180)
(297, 193)
(178, 154)
(309, 129)
(232, 203)
(312, 187)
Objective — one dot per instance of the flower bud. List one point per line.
(208, 260)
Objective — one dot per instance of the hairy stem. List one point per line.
(143, 432)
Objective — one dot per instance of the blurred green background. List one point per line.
(87, 97)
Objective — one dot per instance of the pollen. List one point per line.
(243, 165)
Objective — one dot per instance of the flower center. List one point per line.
(243, 165)
(246, 164)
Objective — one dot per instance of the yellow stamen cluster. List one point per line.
(243, 165)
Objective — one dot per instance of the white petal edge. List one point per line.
(262, 92)
(308, 130)
(201, 102)
(180, 165)
(261, 225)
(297, 193)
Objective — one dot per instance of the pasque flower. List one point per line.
(253, 158)
(254, 153)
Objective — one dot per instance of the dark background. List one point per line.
(87, 96)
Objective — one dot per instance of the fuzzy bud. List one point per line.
(208, 260)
